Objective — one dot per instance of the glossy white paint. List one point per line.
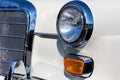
(103, 46)
(45, 50)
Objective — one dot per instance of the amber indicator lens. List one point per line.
(74, 66)
(14, 78)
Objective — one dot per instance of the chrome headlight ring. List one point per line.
(75, 23)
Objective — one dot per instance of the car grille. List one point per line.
(13, 26)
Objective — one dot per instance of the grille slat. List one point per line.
(12, 30)
(13, 43)
(12, 49)
(11, 55)
(13, 16)
(13, 25)
(20, 37)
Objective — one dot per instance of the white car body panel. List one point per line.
(103, 46)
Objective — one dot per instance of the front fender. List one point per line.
(103, 46)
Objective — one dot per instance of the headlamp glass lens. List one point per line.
(70, 24)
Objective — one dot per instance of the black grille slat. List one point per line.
(9, 56)
(13, 30)
(12, 36)
(13, 25)
(9, 49)
(12, 17)
(13, 43)
(4, 67)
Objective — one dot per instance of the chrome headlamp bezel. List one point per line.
(72, 24)
(87, 26)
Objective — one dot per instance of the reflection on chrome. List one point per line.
(17, 20)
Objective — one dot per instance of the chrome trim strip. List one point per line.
(36, 78)
(46, 35)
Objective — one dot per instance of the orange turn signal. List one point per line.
(14, 79)
(74, 66)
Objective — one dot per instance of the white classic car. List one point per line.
(59, 40)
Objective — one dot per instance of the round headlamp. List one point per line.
(75, 23)
(70, 23)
